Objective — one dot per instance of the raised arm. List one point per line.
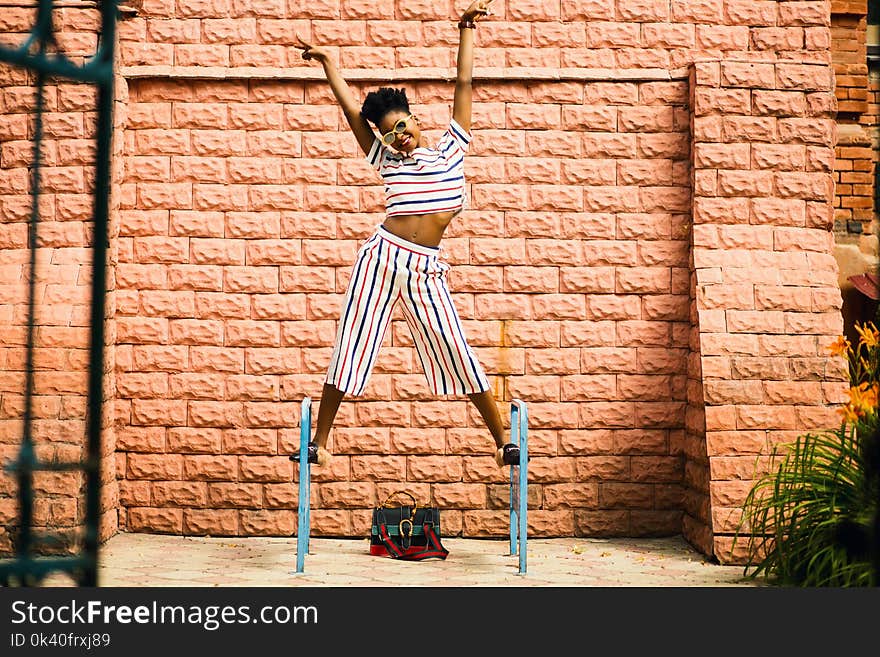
(461, 106)
(359, 126)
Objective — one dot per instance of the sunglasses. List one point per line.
(389, 137)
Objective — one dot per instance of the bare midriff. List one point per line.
(424, 229)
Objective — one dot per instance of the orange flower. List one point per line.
(868, 335)
(850, 414)
(839, 347)
(864, 396)
(862, 401)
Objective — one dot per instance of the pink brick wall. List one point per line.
(766, 303)
(243, 207)
(552, 34)
(63, 279)
(578, 274)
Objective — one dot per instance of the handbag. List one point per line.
(408, 532)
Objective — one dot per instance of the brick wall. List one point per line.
(854, 181)
(63, 277)
(855, 233)
(849, 54)
(581, 284)
(571, 279)
(766, 298)
(871, 120)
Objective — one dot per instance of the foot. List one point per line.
(507, 455)
(315, 454)
(318, 455)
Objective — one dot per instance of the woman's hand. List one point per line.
(311, 52)
(478, 9)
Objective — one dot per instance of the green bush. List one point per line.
(812, 519)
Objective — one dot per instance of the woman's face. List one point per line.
(405, 140)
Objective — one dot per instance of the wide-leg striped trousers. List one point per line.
(388, 270)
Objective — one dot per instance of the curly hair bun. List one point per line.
(385, 99)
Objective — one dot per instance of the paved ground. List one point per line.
(150, 560)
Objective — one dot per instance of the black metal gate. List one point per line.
(41, 57)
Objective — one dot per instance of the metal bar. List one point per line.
(33, 569)
(49, 466)
(308, 496)
(523, 483)
(101, 239)
(514, 494)
(303, 522)
(38, 53)
(95, 71)
(26, 454)
(519, 482)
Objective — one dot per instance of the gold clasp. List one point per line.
(405, 521)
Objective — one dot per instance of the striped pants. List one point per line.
(389, 269)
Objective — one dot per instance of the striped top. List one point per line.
(428, 179)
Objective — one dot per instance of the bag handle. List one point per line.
(433, 548)
(386, 504)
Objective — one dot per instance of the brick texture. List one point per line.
(854, 202)
(647, 259)
(62, 279)
(764, 293)
(570, 276)
(871, 120)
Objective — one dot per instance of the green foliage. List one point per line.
(809, 520)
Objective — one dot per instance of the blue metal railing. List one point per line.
(519, 492)
(519, 483)
(303, 511)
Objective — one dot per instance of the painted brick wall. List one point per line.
(63, 272)
(577, 273)
(571, 272)
(766, 298)
(628, 34)
(244, 207)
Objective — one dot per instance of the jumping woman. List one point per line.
(424, 191)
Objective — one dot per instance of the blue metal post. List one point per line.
(303, 521)
(514, 482)
(519, 482)
(523, 483)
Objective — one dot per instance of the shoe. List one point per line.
(315, 454)
(507, 455)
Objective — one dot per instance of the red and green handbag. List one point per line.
(408, 532)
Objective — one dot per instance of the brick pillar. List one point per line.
(63, 280)
(855, 234)
(871, 120)
(854, 200)
(765, 297)
(849, 54)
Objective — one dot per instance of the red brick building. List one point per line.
(856, 153)
(650, 261)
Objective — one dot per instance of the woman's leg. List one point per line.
(366, 312)
(485, 403)
(331, 397)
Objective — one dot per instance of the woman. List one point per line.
(425, 190)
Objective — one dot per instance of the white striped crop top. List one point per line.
(428, 179)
